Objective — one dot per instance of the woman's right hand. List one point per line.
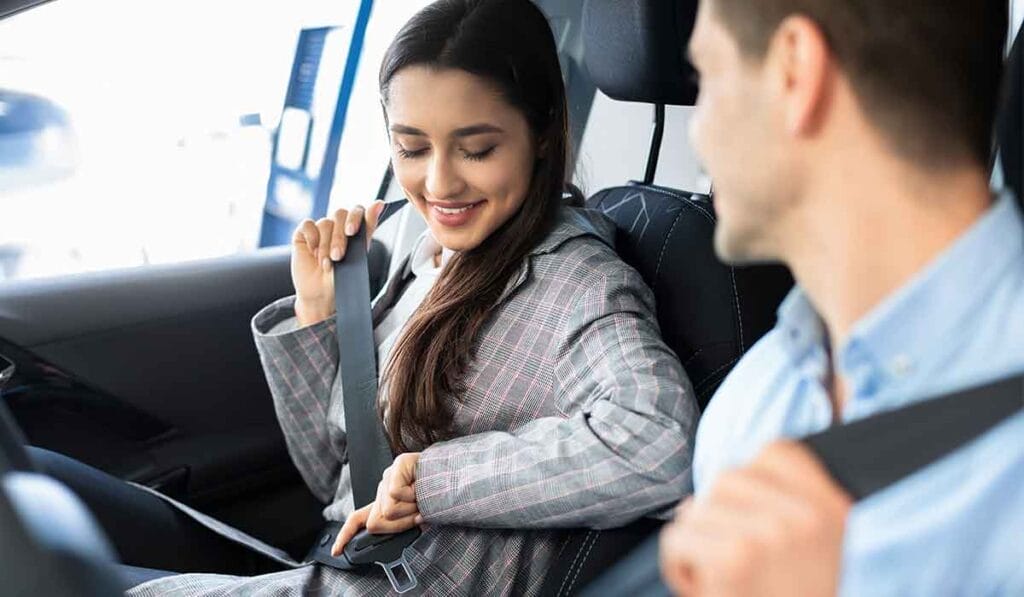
(315, 248)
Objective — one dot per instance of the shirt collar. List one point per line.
(884, 346)
(421, 260)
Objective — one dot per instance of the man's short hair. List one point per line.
(926, 72)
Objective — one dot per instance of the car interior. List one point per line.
(151, 375)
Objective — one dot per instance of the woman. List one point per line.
(525, 387)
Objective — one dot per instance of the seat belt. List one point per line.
(864, 457)
(368, 450)
(870, 454)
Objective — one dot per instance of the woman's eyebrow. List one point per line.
(401, 129)
(477, 129)
(467, 131)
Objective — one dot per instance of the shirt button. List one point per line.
(901, 365)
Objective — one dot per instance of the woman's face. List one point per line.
(461, 153)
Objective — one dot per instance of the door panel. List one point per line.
(152, 375)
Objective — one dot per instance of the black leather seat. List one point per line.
(710, 313)
(1010, 126)
(49, 542)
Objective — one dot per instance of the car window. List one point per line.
(140, 131)
(1016, 16)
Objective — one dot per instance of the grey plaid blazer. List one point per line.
(576, 415)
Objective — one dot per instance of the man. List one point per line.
(849, 139)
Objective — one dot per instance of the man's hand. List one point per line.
(774, 527)
(395, 509)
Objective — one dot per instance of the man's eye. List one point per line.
(480, 155)
(408, 154)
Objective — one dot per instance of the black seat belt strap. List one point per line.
(868, 455)
(369, 453)
(368, 449)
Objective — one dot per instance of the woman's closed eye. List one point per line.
(478, 155)
(408, 154)
(475, 156)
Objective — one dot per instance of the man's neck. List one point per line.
(878, 225)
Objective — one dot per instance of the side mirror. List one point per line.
(37, 144)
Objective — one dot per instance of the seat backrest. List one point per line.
(1010, 125)
(49, 542)
(709, 313)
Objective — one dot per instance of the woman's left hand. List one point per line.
(395, 509)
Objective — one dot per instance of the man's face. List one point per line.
(737, 131)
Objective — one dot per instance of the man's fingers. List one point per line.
(756, 491)
(353, 524)
(677, 558)
(797, 470)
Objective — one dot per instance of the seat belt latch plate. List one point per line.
(400, 573)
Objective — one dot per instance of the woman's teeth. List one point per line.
(455, 210)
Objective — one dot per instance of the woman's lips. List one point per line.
(455, 214)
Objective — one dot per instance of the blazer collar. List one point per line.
(572, 223)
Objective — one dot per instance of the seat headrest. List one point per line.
(1010, 125)
(634, 49)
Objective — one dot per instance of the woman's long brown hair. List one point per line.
(509, 43)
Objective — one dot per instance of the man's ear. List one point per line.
(804, 68)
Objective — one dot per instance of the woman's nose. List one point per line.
(443, 180)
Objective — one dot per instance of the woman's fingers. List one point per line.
(339, 242)
(307, 236)
(373, 218)
(325, 227)
(395, 510)
(378, 525)
(353, 524)
(402, 492)
(396, 499)
(354, 220)
(348, 222)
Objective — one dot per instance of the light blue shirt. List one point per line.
(957, 526)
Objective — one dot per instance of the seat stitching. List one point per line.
(685, 203)
(707, 377)
(739, 311)
(693, 356)
(583, 563)
(664, 246)
(561, 589)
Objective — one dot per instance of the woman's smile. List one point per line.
(454, 214)
(464, 160)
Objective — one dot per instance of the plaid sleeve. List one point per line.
(301, 365)
(622, 450)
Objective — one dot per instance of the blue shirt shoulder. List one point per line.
(955, 527)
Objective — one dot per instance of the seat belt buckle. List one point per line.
(390, 552)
